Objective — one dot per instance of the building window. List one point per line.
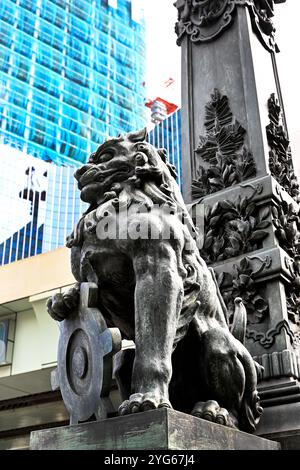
(26, 22)
(7, 12)
(15, 120)
(21, 68)
(7, 338)
(6, 34)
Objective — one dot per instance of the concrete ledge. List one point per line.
(34, 275)
(152, 430)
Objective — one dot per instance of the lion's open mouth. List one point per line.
(90, 176)
(94, 174)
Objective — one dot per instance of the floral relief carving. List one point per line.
(225, 158)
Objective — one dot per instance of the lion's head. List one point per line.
(126, 170)
(126, 161)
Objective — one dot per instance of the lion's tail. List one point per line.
(239, 324)
(250, 411)
(221, 300)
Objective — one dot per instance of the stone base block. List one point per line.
(161, 429)
(282, 423)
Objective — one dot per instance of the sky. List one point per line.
(163, 58)
(163, 55)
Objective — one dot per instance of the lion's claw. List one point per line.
(60, 306)
(211, 411)
(139, 402)
(56, 307)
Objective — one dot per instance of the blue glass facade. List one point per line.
(167, 134)
(63, 208)
(71, 74)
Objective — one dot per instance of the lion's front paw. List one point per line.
(60, 306)
(143, 402)
(211, 411)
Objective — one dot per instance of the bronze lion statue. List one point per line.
(154, 286)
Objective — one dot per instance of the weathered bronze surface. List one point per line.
(158, 290)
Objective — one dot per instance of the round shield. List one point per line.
(84, 355)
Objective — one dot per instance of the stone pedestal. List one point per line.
(162, 429)
(281, 420)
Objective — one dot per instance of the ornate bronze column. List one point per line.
(237, 163)
(228, 45)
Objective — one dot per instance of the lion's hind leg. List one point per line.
(230, 382)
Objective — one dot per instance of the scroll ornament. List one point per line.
(205, 20)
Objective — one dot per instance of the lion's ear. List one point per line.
(138, 136)
(172, 170)
(163, 154)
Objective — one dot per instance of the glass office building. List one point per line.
(71, 74)
(167, 134)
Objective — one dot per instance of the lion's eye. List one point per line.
(106, 156)
(103, 157)
(141, 147)
(141, 159)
